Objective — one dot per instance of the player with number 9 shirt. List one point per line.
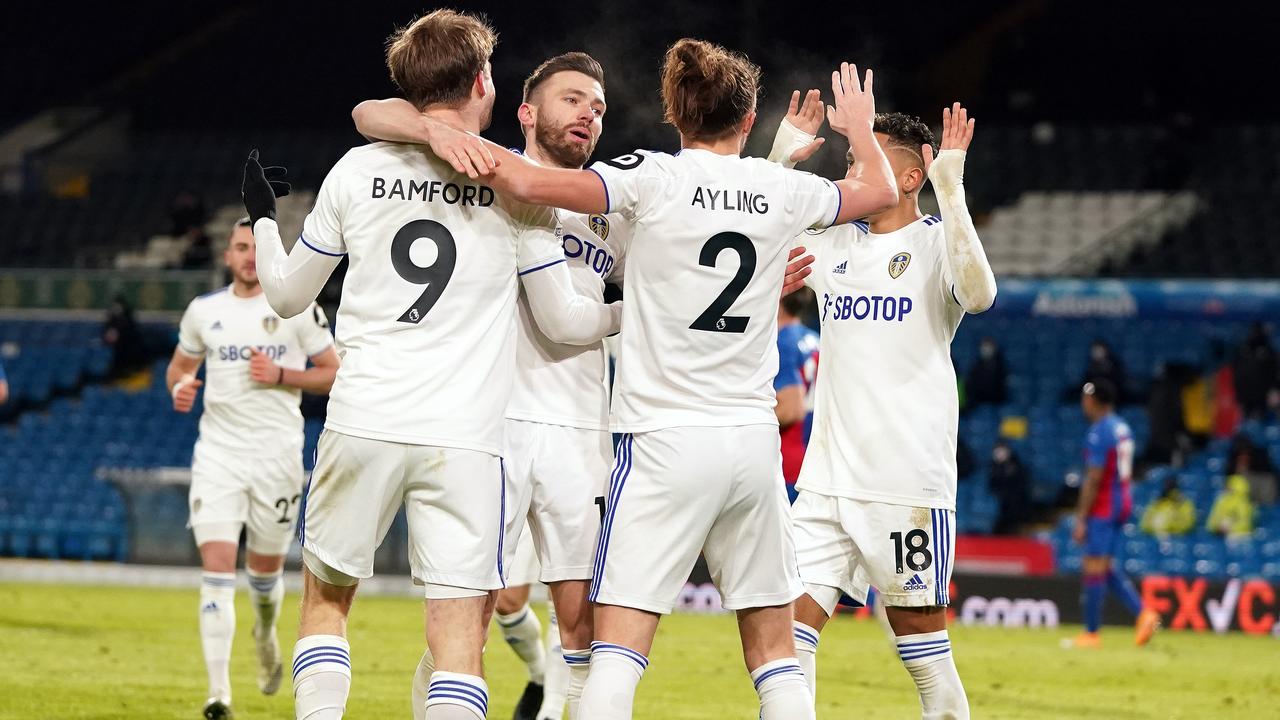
(425, 325)
(699, 466)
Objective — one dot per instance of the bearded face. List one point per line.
(569, 144)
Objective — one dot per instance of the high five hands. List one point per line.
(957, 133)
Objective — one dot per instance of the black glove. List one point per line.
(260, 188)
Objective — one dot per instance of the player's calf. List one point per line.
(455, 636)
(925, 650)
(322, 657)
(767, 647)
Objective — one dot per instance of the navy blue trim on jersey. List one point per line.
(211, 293)
(953, 295)
(541, 267)
(621, 470)
(608, 206)
(303, 238)
(932, 219)
(861, 225)
(839, 203)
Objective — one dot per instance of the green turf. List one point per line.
(91, 652)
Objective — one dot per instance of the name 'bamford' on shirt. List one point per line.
(739, 200)
(432, 191)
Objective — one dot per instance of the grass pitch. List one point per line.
(103, 652)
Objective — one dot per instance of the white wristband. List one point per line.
(788, 140)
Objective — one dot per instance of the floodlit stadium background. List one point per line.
(1123, 178)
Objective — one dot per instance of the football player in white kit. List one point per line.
(558, 445)
(877, 490)
(557, 432)
(699, 467)
(257, 370)
(426, 327)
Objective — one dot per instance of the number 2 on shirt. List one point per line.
(713, 319)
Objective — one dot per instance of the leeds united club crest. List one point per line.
(898, 264)
(270, 323)
(600, 226)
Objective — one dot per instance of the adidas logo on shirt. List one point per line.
(217, 325)
(840, 269)
(914, 584)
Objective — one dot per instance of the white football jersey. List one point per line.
(426, 323)
(569, 384)
(221, 328)
(710, 237)
(885, 404)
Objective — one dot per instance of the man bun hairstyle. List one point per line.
(570, 61)
(707, 90)
(435, 59)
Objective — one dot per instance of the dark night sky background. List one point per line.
(298, 65)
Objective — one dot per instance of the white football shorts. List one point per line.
(231, 490)
(454, 499)
(680, 491)
(556, 475)
(904, 552)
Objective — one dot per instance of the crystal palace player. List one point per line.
(797, 370)
(426, 326)
(877, 490)
(256, 369)
(1105, 506)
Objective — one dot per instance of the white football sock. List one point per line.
(807, 654)
(454, 696)
(218, 629)
(556, 690)
(523, 633)
(267, 593)
(927, 656)
(421, 679)
(579, 664)
(321, 677)
(783, 690)
(611, 687)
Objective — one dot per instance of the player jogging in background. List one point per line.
(878, 486)
(426, 326)
(557, 431)
(1105, 506)
(699, 463)
(246, 470)
(797, 369)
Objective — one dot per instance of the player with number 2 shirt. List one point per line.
(698, 467)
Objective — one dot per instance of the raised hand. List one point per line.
(262, 369)
(957, 133)
(855, 104)
(806, 118)
(261, 186)
(184, 393)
